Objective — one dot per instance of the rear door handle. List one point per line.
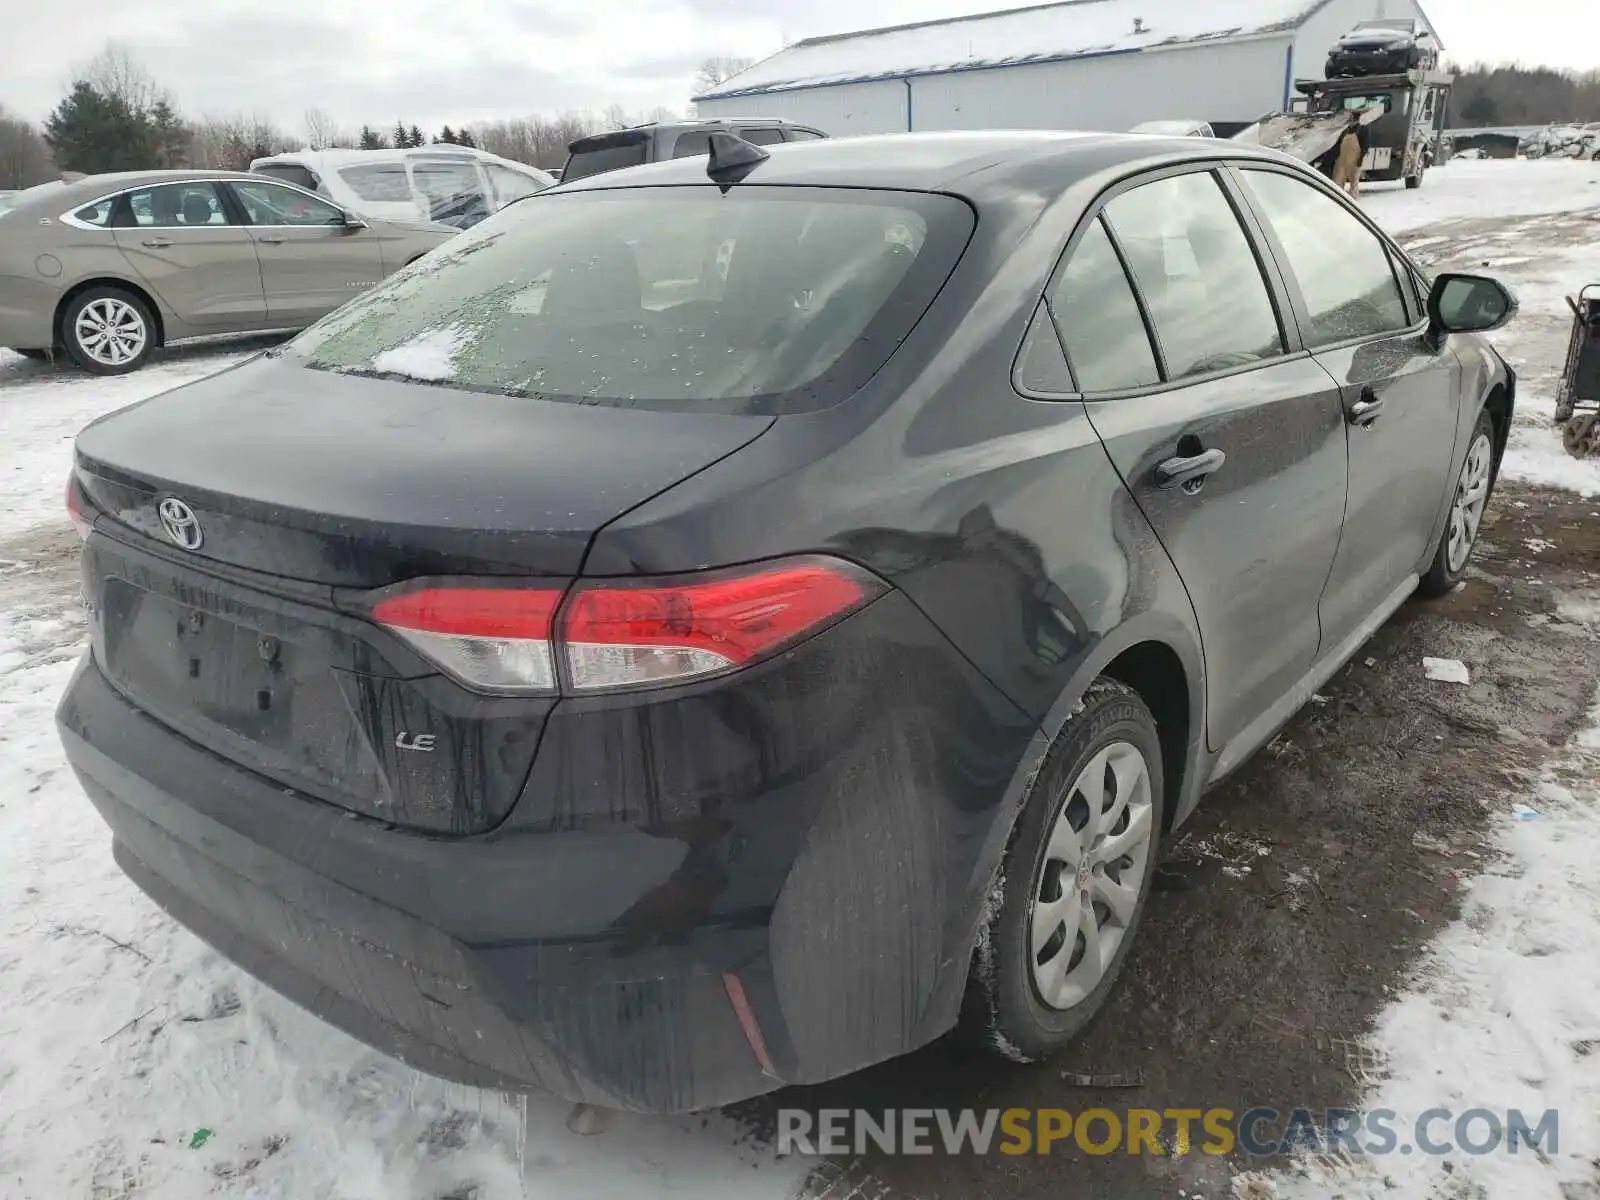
(1190, 472)
(1366, 411)
(157, 243)
(272, 239)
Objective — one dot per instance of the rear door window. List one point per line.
(1101, 326)
(1197, 273)
(766, 136)
(762, 300)
(1344, 270)
(177, 206)
(453, 191)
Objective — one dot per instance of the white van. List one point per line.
(451, 185)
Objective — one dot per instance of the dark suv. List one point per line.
(682, 139)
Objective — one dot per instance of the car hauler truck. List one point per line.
(1404, 114)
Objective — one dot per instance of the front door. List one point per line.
(1400, 395)
(182, 242)
(311, 261)
(1233, 450)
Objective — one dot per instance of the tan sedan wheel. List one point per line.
(108, 331)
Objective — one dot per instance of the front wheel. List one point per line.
(1073, 883)
(1473, 486)
(108, 331)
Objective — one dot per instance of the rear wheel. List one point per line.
(1415, 181)
(108, 331)
(1073, 883)
(1474, 484)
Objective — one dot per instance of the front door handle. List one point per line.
(1190, 471)
(1365, 412)
(157, 243)
(271, 239)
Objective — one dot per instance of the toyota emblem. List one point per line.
(182, 526)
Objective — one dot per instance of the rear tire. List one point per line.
(1460, 536)
(108, 331)
(1413, 182)
(1034, 984)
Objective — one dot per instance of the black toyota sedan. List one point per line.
(722, 624)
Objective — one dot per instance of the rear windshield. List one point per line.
(600, 159)
(290, 173)
(763, 300)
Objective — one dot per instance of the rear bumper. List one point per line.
(599, 957)
(27, 309)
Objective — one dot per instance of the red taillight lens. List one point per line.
(619, 636)
(496, 639)
(615, 635)
(76, 511)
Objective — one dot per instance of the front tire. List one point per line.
(1074, 881)
(1474, 485)
(108, 331)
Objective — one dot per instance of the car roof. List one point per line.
(92, 187)
(978, 165)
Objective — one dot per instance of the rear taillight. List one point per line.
(493, 638)
(77, 510)
(615, 635)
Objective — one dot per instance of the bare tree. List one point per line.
(320, 129)
(230, 143)
(24, 156)
(117, 73)
(719, 69)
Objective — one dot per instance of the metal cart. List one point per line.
(1578, 401)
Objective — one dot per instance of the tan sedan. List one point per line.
(109, 267)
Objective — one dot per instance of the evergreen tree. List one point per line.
(93, 132)
(447, 136)
(400, 138)
(1481, 111)
(169, 135)
(371, 139)
(464, 138)
(416, 137)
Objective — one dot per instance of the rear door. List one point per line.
(183, 241)
(1400, 395)
(311, 261)
(1231, 442)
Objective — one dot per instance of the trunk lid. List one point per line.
(305, 484)
(357, 482)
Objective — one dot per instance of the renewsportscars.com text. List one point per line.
(1259, 1132)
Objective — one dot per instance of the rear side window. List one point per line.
(1343, 268)
(98, 213)
(762, 137)
(1106, 340)
(598, 160)
(764, 300)
(377, 181)
(803, 135)
(1197, 273)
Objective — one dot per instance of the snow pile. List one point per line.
(42, 407)
(1505, 1010)
(429, 357)
(1003, 38)
(1504, 188)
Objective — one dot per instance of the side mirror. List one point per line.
(1469, 304)
(352, 222)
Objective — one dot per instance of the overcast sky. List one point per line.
(434, 62)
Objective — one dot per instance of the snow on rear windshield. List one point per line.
(679, 297)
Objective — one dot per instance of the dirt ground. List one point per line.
(1301, 892)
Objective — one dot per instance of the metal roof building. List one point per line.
(1079, 64)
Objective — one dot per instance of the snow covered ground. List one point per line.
(136, 1063)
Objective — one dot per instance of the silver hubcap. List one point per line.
(1472, 492)
(110, 331)
(1093, 865)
